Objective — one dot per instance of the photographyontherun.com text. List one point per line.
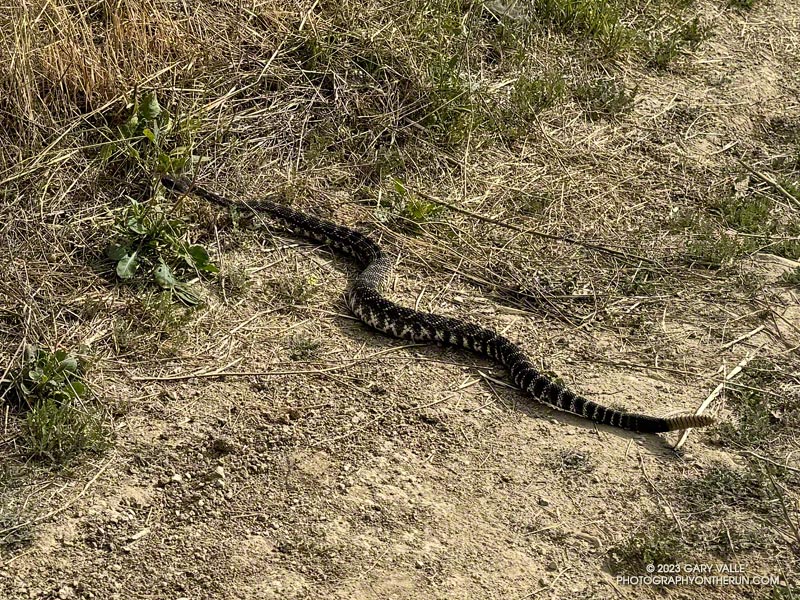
(675, 574)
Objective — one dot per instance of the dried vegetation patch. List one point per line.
(189, 411)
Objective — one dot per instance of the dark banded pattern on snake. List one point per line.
(365, 300)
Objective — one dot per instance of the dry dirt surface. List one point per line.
(264, 444)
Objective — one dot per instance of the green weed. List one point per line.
(47, 375)
(716, 249)
(748, 215)
(235, 282)
(791, 277)
(792, 186)
(665, 46)
(405, 209)
(161, 315)
(749, 503)
(693, 33)
(59, 420)
(663, 52)
(504, 44)
(156, 323)
(146, 133)
(740, 534)
(682, 221)
(20, 533)
(597, 19)
(722, 489)
(452, 110)
(534, 203)
(760, 417)
(755, 216)
(313, 52)
(303, 347)
(58, 432)
(660, 543)
(785, 592)
(639, 284)
(755, 425)
(761, 372)
(531, 95)
(147, 236)
(418, 210)
(293, 289)
(604, 98)
(152, 238)
(575, 462)
(790, 246)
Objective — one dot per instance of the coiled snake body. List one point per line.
(365, 300)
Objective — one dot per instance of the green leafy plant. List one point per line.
(755, 424)
(19, 532)
(235, 282)
(154, 322)
(145, 134)
(418, 210)
(722, 488)
(47, 375)
(789, 247)
(792, 186)
(59, 432)
(760, 417)
(405, 209)
(148, 237)
(693, 32)
(59, 419)
(664, 51)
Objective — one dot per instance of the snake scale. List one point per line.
(365, 300)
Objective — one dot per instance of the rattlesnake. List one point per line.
(364, 299)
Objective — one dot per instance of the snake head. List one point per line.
(177, 185)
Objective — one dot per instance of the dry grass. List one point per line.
(584, 176)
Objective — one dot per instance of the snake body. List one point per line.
(365, 300)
